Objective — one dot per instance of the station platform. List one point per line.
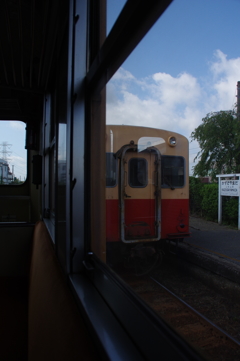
(214, 247)
(216, 239)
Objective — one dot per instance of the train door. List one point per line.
(140, 194)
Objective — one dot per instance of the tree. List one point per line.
(219, 139)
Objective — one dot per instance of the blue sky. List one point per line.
(186, 66)
(13, 133)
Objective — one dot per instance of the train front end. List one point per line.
(147, 187)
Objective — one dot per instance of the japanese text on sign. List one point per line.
(230, 188)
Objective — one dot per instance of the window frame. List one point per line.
(138, 331)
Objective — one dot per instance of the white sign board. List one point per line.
(230, 188)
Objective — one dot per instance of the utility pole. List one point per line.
(238, 100)
(5, 150)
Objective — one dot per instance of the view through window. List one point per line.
(13, 155)
(185, 68)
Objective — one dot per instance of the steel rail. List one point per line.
(197, 312)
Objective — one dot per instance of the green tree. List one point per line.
(219, 139)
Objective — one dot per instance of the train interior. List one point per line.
(59, 300)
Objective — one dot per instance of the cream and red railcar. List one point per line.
(147, 185)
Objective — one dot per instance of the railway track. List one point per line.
(211, 341)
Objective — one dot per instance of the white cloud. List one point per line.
(123, 74)
(226, 73)
(159, 101)
(183, 89)
(168, 102)
(177, 103)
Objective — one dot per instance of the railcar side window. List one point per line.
(172, 171)
(138, 172)
(13, 155)
(111, 170)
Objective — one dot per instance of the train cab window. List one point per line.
(172, 172)
(13, 155)
(138, 172)
(111, 170)
(148, 142)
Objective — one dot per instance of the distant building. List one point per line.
(205, 179)
(6, 176)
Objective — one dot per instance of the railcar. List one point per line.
(147, 188)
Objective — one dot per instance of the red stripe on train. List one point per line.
(174, 216)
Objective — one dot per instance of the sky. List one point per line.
(187, 66)
(12, 146)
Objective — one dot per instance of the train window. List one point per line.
(111, 170)
(49, 164)
(13, 155)
(172, 171)
(147, 142)
(138, 172)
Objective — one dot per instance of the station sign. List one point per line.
(230, 188)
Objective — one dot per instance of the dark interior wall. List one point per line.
(15, 248)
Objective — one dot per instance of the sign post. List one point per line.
(229, 187)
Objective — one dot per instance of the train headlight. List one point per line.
(172, 141)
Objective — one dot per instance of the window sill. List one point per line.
(124, 326)
(111, 339)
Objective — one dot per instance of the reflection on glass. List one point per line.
(62, 154)
(61, 190)
(62, 171)
(13, 163)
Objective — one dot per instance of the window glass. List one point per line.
(147, 142)
(111, 170)
(172, 171)
(153, 96)
(138, 172)
(61, 190)
(13, 155)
